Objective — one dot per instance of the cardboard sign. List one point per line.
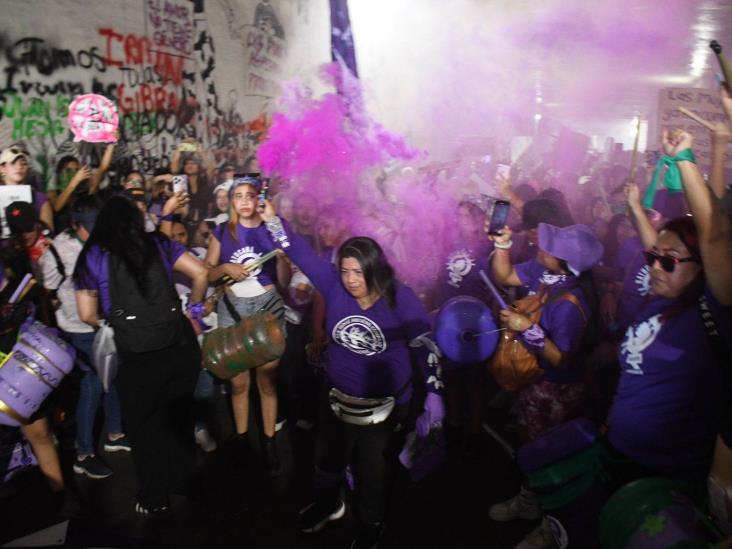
(8, 195)
(702, 102)
(93, 118)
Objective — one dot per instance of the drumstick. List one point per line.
(27, 289)
(493, 289)
(257, 262)
(21, 287)
(723, 64)
(696, 118)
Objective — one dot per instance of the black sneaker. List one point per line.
(369, 536)
(237, 450)
(315, 516)
(119, 445)
(93, 467)
(271, 457)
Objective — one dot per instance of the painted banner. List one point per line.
(702, 102)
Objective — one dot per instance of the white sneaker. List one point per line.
(540, 537)
(523, 505)
(205, 440)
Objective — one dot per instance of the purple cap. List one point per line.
(577, 245)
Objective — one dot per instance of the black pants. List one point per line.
(156, 395)
(370, 450)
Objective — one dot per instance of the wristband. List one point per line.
(166, 217)
(672, 179)
(533, 337)
(503, 246)
(277, 231)
(195, 310)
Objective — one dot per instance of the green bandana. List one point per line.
(672, 181)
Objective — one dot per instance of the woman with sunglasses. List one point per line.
(666, 412)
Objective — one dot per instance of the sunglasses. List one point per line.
(667, 262)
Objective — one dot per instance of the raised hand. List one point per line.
(676, 141)
(176, 201)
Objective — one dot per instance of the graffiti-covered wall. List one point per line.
(208, 69)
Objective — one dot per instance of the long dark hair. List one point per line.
(611, 243)
(61, 166)
(377, 271)
(120, 230)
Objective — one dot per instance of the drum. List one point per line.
(252, 342)
(465, 330)
(32, 370)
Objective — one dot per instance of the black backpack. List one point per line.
(143, 324)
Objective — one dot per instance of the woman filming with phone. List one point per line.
(560, 287)
(189, 161)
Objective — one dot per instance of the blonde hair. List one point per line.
(233, 214)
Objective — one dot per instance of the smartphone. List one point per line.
(180, 183)
(264, 191)
(499, 216)
(185, 146)
(503, 171)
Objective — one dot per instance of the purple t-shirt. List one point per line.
(636, 278)
(562, 321)
(369, 354)
(39, 199)
(667, 406)
(461, 275)
(252, 244)
(96, 276)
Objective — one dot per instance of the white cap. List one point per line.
(225, 186)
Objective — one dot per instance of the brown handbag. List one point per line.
(513, 366)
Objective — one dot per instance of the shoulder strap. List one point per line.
(230, 307)
(569, 296)
(710, 325)
(59, 264)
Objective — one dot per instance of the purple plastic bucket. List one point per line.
(34, 368)
(53, 349)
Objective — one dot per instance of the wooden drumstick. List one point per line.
(723, 64)
(634, 156)
(696, 118)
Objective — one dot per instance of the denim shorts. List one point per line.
(247, 306)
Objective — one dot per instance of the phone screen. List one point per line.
(499, 216)
(180, 183)
(264, 191)
(503, 171)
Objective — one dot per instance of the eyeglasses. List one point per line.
(668, 263)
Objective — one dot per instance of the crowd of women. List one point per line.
(623, 310)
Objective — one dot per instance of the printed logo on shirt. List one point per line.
(637, 339)
(360, 335)
(245, 256)
(550, 278)
(459, 265)
(643, 280)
